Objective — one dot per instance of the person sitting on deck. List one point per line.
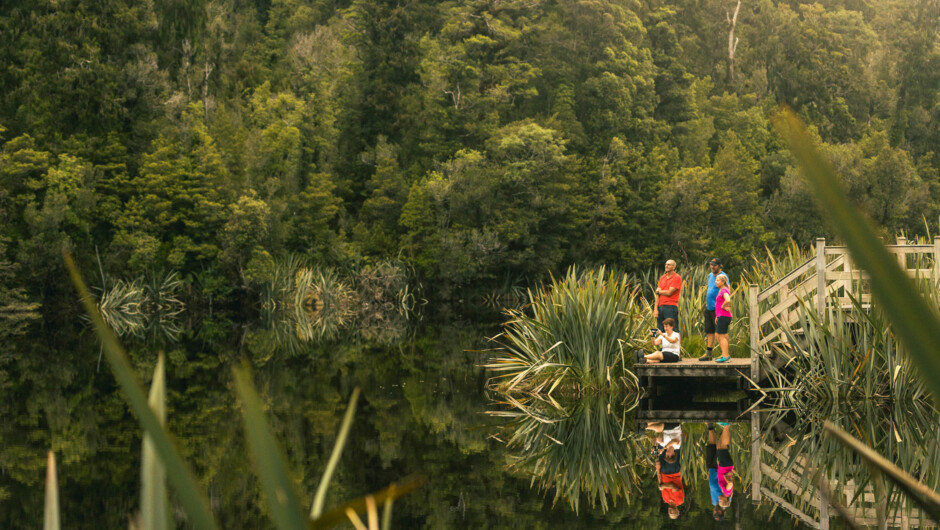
(670, 342)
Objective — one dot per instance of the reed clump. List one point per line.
(582, 327)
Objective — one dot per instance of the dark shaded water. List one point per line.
(423, 410)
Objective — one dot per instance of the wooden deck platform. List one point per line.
(736, 367)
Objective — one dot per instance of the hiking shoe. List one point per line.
(705, 357)
(638, 357)
(710, 425)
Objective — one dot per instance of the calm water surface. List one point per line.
(423, 410)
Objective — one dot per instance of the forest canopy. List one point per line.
(481, 142)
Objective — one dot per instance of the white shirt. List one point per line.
(670, 346)
(672, 434)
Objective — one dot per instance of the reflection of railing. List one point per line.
(829, 277)
(868, 509)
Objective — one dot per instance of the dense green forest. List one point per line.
(482, 142)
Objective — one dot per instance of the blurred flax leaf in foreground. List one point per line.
(192, 498)
(915, 323)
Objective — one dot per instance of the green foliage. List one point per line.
(585, 324)
(480, 141)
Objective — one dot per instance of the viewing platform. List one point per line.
(736, 367)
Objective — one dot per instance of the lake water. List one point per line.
(424, 409)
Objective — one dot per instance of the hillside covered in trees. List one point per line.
(482, 142)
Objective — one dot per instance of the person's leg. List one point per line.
(672, 312)
(723, 342)
(711, 436)
(710, 340)
(660, 318)
(658, 427)
(725, 439)
(654, 357)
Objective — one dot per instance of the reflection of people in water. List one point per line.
(668, 466)
(720, 469)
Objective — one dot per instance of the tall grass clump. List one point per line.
(577, 450)
(583, 326)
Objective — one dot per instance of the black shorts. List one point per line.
(711, 456)
(722, 326)
(667, 311)
(709, 321)
(724, 458)
(671, 357)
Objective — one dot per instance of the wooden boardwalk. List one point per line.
(736, 367)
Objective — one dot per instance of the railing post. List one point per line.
(754, 329)
(936, 258)
(847, 267)
(902, 257)
(821, 277)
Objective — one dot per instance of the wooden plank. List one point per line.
(821, 278)
(907, 249)
(694, 368)
(793, 510)
(936, 257)
(754, 330)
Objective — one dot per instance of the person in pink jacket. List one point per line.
(722, 317)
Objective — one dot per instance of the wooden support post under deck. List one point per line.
(755, 457)
(821, 277)
(754, 329)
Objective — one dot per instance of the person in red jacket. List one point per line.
(666, 301)
(669, 471)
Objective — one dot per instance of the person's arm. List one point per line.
(670, 291)
(656, 302)
(674, 334)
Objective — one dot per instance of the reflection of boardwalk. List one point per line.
(863, 505)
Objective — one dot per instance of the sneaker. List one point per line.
(723, 424)
(722, 359)
(705, 357)
(638, 357)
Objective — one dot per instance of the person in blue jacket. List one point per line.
(710, 295)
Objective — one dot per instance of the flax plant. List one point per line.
(583, 326)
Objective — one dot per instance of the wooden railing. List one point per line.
(829, 277)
